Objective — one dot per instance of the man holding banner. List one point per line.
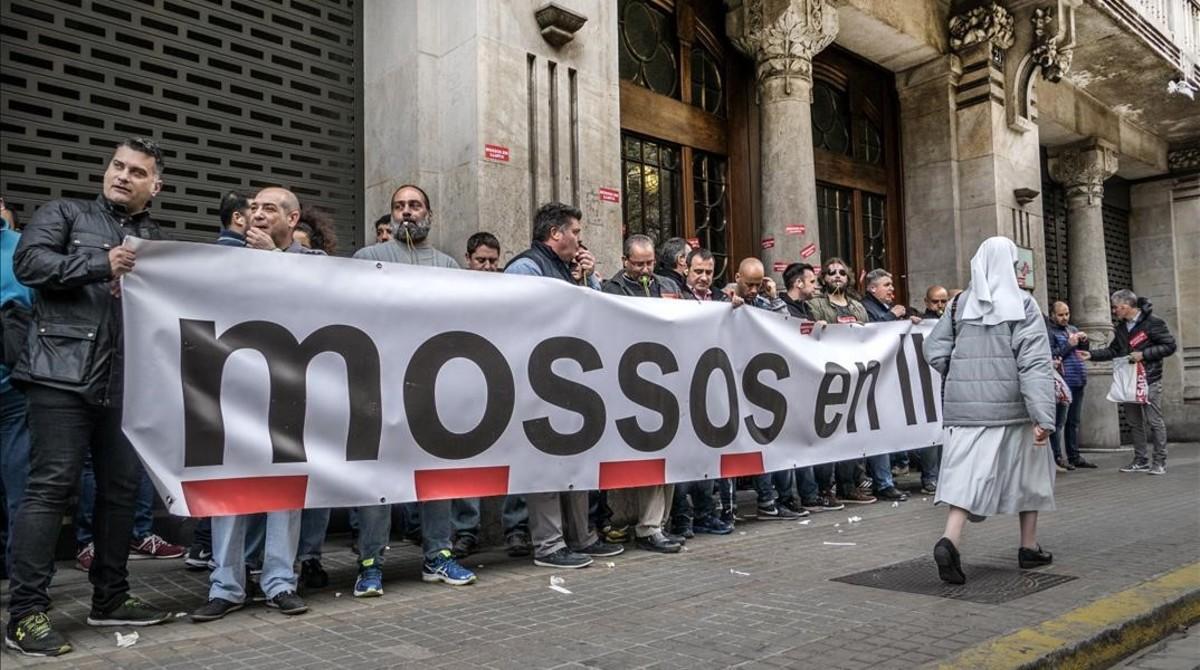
(72, 254)
(557, 254)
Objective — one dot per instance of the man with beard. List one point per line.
(411, 218)
(837, 304)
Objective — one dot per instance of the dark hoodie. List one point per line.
(1148, 335)
(658, 287)
(797, 308)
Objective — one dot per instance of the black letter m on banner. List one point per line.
(202, 363)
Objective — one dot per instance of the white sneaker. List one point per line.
(1157, 470)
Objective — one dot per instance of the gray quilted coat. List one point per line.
(998, 375)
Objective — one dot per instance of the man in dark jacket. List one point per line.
(72, 255)
(1145, 339)
(936, 298)
(672, 260)
(638, 278)
(557, 253)
(800, 286)
(1065, 341)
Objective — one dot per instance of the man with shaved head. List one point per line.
(1066, 341)
(756, 289)
(936, 298)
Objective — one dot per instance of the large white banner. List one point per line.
(259, 381)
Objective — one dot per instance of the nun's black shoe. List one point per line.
(945, 554)
(1034, 558)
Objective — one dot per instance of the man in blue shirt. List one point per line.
(14, 432)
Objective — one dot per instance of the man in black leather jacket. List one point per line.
(72, 254)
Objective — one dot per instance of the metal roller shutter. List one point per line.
(240, 95)
(1054, 225)
(1116, 247)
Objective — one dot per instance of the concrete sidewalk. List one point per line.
(762, 597)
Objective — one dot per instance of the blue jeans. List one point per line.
(811, 481)
(929, 460)
(282, 535)
(375, 528)
(692, 500)
(143, 510)
(881, 471)
(1071, 432)
(14, 459)
(513, 516)
(772, 486)
(313, 525)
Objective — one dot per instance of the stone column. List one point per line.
(1082, 169)
(782, 36)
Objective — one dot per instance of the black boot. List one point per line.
(945, 554)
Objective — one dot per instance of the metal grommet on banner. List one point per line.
(379, 266)
(170, 499)
(382, 501)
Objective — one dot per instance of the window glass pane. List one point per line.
(833, 217)
(874, 242)
(870, 142)
(711, 206)
(648, 47)
(708, 91)
(830, 119)
(652, 187)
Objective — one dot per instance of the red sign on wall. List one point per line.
(495, 152)
(609, 195)
(768, 243)
(809, 250)
(795, 229)
(780, 266)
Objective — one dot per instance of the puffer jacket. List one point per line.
(74, 341)
(994, 375)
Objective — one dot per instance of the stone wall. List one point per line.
(443, 80)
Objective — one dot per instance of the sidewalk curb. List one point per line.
(1098, 634)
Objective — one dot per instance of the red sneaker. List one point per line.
(83, 560)
(153, 546)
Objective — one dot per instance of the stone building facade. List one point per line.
(896, 135)
(892, 134)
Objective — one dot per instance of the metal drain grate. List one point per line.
(986, 584)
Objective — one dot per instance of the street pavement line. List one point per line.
(1098, 634)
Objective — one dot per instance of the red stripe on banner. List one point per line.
(627, 474)
(461, 482)
(244, 495)
(740, 465)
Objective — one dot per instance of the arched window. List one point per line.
(857, 161)
(674, 119)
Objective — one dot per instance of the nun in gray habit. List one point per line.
(998, 408)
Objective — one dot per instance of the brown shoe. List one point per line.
(856, 497)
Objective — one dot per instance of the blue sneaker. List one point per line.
(370, 580)
(712, 525)
(445, 569)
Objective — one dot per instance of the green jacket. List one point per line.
(823, 310)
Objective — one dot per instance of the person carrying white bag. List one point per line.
(1140, 342)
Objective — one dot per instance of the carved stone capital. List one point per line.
(1054, 59)
(986, 22)
(782, 36)
(1184, 159)
(1082, 169)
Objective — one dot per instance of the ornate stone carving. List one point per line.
(782, 37)
(1187, 158)
(1053, 60)
(986, 22)
(1082, 169)
(558, 24)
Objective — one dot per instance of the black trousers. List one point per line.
(62, 427)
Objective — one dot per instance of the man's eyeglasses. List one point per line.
(839, 271)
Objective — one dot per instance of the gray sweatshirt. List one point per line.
(394, 251)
